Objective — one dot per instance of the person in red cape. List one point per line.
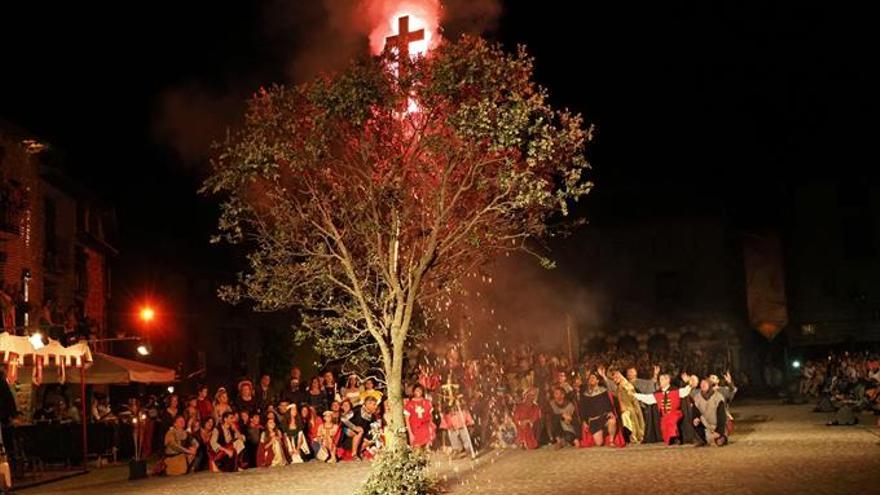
(600, 424)
(526, 415)
(668, 401)
(419, 422)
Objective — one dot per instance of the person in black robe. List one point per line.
(597, 412)
(264, 394)
(689, 412)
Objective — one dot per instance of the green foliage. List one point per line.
(399, 471)
(365, 217)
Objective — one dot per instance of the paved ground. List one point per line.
(776, 449)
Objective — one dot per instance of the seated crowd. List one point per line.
(847, 380)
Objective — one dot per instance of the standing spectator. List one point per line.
(171, 411)
(419, 420)
(191, 412)
(265, 396)
(101, 412)
(352, 390)
(294, 393)
(456, 420)
(203, 403)
(221, 405)
(331, 392)
(315, 396)
(246, 400)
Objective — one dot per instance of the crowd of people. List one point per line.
(843, 381)
(456, 406)
(525, 400)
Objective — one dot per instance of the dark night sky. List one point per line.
(729, 98)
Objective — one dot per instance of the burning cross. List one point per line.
(404, 37)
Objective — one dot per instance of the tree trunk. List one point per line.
(395, 431)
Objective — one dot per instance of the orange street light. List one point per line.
(147, 314)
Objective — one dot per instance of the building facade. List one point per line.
(833, 262)
(56, 244)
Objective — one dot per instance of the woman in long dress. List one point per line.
(272, 450)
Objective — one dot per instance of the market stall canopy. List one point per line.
(113, 370)
(17, 348)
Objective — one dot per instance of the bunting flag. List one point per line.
(38, 371)
(12, 369)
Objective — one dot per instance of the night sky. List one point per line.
(734, 100)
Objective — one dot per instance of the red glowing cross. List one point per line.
(404, 37)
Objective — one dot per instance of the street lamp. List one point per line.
(147, 314)
(36, 340)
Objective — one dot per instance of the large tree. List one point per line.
(365, 196)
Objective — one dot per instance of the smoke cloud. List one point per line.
(519, 302)
(303, 39)
(194, 116)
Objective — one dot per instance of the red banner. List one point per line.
(765, 283)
